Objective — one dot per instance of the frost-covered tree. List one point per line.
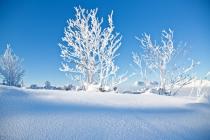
(157, 58)
(90, 51)
(11, 68)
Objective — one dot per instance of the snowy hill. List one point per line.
(64, 115)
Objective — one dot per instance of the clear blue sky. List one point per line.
(35, 27)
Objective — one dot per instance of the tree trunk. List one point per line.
(162, 89)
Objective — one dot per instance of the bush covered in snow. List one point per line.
(11, 68)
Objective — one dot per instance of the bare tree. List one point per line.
(11, 68)
(157, 58)
(90, 51)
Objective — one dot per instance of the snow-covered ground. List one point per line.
(67, 115)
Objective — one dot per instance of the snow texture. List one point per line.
(52, 115)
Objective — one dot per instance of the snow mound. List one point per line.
(53, 115)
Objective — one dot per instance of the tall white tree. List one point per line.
(157, 58)
(11, 68)
(90, 51)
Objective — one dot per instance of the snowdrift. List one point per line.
(63, 115)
